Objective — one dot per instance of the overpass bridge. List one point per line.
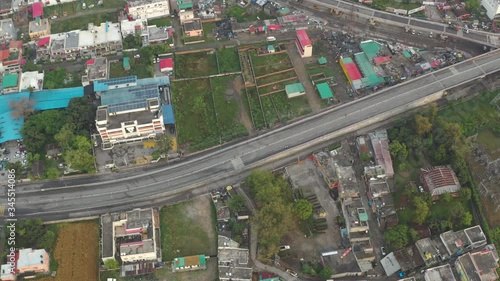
(149, 186)
(485, 38)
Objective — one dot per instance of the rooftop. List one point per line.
(7, 29)
(106, 33)
(10, 80)
(354, 213)
(390, 264)
(370, 77)
(158, 33)
(86, 39)
(380, 144)
(5, 6)
(428, 251)
(303, 38)
(32, 79)
(9, 127)
(192, 25)
(379, 187)
(191, 261)
(294, 88)
(57, 41)
(55, 99)
(115, 83)
(347, 180)
(324, 90)
(440, 273)
(486, 263)
(30, 257)
(235, 273)
(131, 27)
(223, 242)
(72, 40)
(370, 48)
(130, 98)
(409, 258)
(452, 243)
(96, 69)
(115, 121)
(134, 3)
(475, 234)
(374, 172)
(439, 180)
(237, 256)
(135, 248)
(38, 25)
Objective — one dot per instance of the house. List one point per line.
(295, 90)
(7, 272)
(147, 9)
(390, 264)
(481, 266)
(380, 144)
(11, 56)
(378, 188)
(303, 43)
(32, 261)
(374, 172)
(348, 185)
(130, 110)
(186, 15)
(8, 31)
(191, 263)
(492, 8)
(440, 273)
(324, 90)
(133, 238)
(409, 259)
(193, 28)
(5, 9)
(107, 38)
(96, 69)
(39, 28)
(167, 65)
(355, 215)
(133, 27)
(439, 180)
(232, 260)
(271, 49)
(31, 81)
(10, 83)
(43, 48)
(158, 35)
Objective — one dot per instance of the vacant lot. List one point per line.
(140, 67)
(188, 229)
(228, 60)
(82, 21)
(195, 65)
(490, 142)
(77, 252)
(266, 64)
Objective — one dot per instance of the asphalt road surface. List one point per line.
(88, 196)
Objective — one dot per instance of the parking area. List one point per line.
(11, 152)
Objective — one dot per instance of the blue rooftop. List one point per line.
(104, 85)
(168, 114)
(129, 98)
(10, 128)
(160, 81)
(55, 99)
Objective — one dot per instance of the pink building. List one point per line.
(29, 260)
(304, 44)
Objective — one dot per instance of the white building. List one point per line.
(133, 27)
(492, 8)
(7, 30)
(31, 79)
(148, 9)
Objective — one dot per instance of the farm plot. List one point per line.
(77, 252)
(320, 74)
(228, 60)
(266, 64)
(255, 109)
(195, 65)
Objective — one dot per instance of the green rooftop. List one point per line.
(370, 48)
(324, 90)
(363, 217)
(322, 60)
(370, 77)
(126, 62)
(184, 6)
(294, 89)
(406, 54)
(10, 80)
(270, 48)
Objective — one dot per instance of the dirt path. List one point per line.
(311, 95)
(243, 116)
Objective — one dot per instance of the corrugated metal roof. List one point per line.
(370, 48)
(324, 90)
(9, 127)
(168, 114)
(10, 80)
(55, 99)
(294, 88)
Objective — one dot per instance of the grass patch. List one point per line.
(491, 142)
(327, 71)
(82, 22)
(195, 65)
(277, 77)
(383, 4)
(229, 60)
(139, 67)
(180, 235)
(242, 15)
(116, 70)
(270, 63)
(208, 31)
(253, 100)
(161, 22)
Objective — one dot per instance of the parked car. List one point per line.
(382, 249)
(284, 247)
(291, 272)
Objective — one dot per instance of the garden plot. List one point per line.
(320, 73)
(228, 60)
(191, 65)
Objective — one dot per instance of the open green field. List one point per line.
(270, 63)
(255, 109)
(138, 67)
(276, 77)
(160, 22)
(81, 22)
(208, 31)
(195, 65)
(382, 4)
(242, 14)
(491, 142)
(229, 60)
(328, 71)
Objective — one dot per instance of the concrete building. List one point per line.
(167, 65)
(190, 263)
(439, 180)
(132, 237)
(130, 110)
(492, 8)
(5, 9)
(430, 251)
(10, 56)
(148, 9)
(475, 236)
(364, 254)
(480, 266)
(378, 188)
(348, 185)
(380, 144)
(133, 27)
(10, 83)
(107, 38)
(96, 69)
(374, 172)
(440, 273)
(233, 261)
(193, 28)
(31, 81)
(355, 215)
(8, 31)
(32, 261)
(6, 272)
(39, 28)
(157, 35)
(303, 43)
(390, 264)
(294, 90)
(186, 15)
(409, 259)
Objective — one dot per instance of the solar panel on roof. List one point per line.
(120, 80)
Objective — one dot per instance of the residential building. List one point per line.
(193, 28)
(8, 31)
(107, 38)
(480, 266)
(364, 254)
(72, 45)
(303, 43)
(492, 8)
(186, 15)
(32, 261)
(348, 185)
(294, 90)
(233, 261)
(355, 215)
(31, 81)
(430, 252)
(475, 236)
(440, 273)
(167, 65)
(131, 113)
(11, 56)
(190, 263)
(378, 188)
(158, 35)
(43, 49)
(374, 172)
(96, 69)
(390, 264)
(7, 272)
(10, 83)
(184, 5)
(439, 180)
(131, 237)
(383, 207)
(148, 9)
(409, 259)
(57, 42)
(39, 28)
(133, 27)
(380, 144)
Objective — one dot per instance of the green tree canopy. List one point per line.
(80, 156)
(163, 144)
(303, 209)
(111, 264)
(422, 210)
(422, 125)
(398, 149)
(39, 129)
(236, 203)
(326, 273)
(397, 237)
(17, 167)
(81, 114)
(465, 193)
(467, 219)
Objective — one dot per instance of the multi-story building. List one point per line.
(480, 266)
(440, 273)
(157, 35)
(233, 261)
(31, 81)
(8, 31)
(304, 44)
(356, 218)
(107, 38)
(39, 28)
(148, 9)
(186, 15)
(10, 56)
(130, 110)
(133, 27)
(193, 28)
(96, 69)
(32, 261)
(492, 8)
(43, 48)
(380, 144)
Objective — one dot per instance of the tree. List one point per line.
(325, 273)
(111, 264)
(446, 197)
(236, 203)
(473, 5)
(17, 167)
(47, 241)
(467, 219)
(21, 108)
(81, 113)
(79, 156)
(422, 210)
(465, 193)
(456, 211)
(303, 209)
(163, 144)
(29, 231)
(52, 173)
(39, 129)
(55, 79)
(65, 136)
(397, 237)
(365, 156)
(423, 125)
(398, 149)
(263, 186)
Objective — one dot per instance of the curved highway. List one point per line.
(94, 195)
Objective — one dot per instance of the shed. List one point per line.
(322, 60)
(166, 65)
(270, 49)
(295, 90)
(168, 114)
(324, 90)
(126, 63)
(10, 80)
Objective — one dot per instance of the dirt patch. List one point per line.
(237, 87)
(77, 252)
